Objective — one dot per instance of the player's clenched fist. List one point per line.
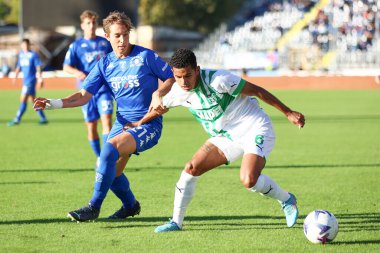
(40, 103)
(47, 104)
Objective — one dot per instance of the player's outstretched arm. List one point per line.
(147, 117)
(294, 117)
(77, 99)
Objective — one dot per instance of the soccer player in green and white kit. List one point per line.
(224, 105)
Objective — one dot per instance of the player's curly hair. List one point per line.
(183, 58)
(88, 14)
(116, 17)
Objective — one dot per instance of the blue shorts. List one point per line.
(28, 90)
(99, 104)
(146, 136)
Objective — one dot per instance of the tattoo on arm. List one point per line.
(206, 148)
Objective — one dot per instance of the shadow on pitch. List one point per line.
(46, 170)
(26, 183)
(179, 168)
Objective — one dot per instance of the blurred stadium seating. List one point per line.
(306, 35)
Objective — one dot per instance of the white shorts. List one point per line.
(259, 140)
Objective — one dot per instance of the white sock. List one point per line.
(184, 192)
(267, 187)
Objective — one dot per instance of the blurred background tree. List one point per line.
(9, 11)
(196, 15)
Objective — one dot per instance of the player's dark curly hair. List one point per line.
(183, 58)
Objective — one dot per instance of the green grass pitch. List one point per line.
(333, 164)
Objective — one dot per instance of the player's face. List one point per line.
(186, 78)
(25, 46)
(89, 27)
(119, 39)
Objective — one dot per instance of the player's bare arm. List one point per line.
(162, 90)
(39, 77)
(74, 71)
(149, 116)
(17, 71)
(77, 99)
(294, 117)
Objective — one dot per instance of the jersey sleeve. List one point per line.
(70, 58)
(158, 66)
(226, 82)
(95, 79)
(174, 97)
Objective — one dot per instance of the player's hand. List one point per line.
(296, 118)
(156, 103)
(40, 104)
(132, 125)
(14, 80)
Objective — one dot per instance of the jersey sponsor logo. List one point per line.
(136, 61)
(91, 56)
(130, 81)
(210, 114)
(83, 45)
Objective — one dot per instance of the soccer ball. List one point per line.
(320, 226)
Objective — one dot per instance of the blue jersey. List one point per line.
(132, 80)
(83, 54)
(28, 63)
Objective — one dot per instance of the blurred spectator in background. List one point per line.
(5, 68)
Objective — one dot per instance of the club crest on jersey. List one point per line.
(137, 61)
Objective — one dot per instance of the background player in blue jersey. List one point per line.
(131, 72)
(81, 57)
(30, 65)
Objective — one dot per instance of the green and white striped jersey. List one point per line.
(216, 102)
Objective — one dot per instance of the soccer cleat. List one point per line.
(13, 123)
(86, 213)
(168, 227)
(290, 210)
(123, 212)
(43, 122)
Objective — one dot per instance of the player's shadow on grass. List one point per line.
(179, 168)
(26, 183)
(212, 222)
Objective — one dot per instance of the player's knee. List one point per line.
(248, 180)
(192, 169)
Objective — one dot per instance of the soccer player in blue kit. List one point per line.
(81, 57)
(131, 72)
(30, 65)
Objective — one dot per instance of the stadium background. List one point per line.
(287, 38)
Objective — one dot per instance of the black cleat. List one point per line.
(86, 213)
(123, 212)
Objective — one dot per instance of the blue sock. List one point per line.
(104, 138)
(120, 186)
(42, 115)
(95, 145)
(105, 174)
(21, 110)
